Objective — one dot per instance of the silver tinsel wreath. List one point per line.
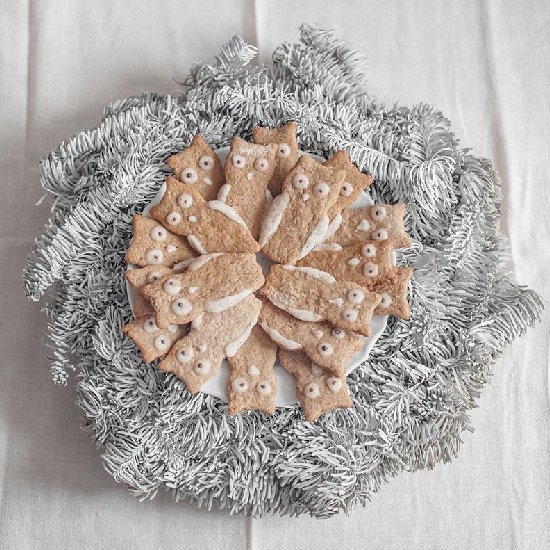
(411, 398)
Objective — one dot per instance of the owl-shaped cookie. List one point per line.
(200, 166)
(248, 171)
(287, 151)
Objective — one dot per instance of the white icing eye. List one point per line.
(202, 367)
(263, 387)
(206, 162)
(184, 355)
(370, 270)
(334, 384)
(363, 225)
(158, 233)
(185, 200)
(338, 333)
(172, 329)
(316, 369)
(386, 301)
(324, 350)
(347, 189)
(188, 175)
(261, 165)
(380, 235)
(300, 181)
(354, 261)
(368, 250)
(283, 150)
(149, 325)
(153, 276)
(239, 161)
(173, 218)
(311, 390)
(154, 256)
(356, 296)
(253, 370)
(171, 286)
(181, 306)
(378, 213)
(349, 315)
(321, 189)
(239, 385)
(171, 248)
(162, 343)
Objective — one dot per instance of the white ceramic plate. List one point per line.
(286, 392)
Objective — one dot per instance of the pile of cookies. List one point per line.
(201, 296)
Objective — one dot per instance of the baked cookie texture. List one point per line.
(200, 296)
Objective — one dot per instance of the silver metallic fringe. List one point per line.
(411, 398)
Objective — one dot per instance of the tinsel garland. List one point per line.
(412, 397)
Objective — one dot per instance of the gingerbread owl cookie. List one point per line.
(208, 226)
(327, 346)
(252, 384)
(200, 166)
(153, 244)
(318, 390)
(312, 295)
(212, 283)
(284, 138)
(248, 171)
(298, 218)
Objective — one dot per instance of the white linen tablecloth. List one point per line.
(484, 63)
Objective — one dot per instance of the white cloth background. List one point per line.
(485, 64)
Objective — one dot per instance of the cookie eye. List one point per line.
(202, 367)
(370, 270)
(154, 256)
(188, 175)
(338, 333)
(347, 189)
(184, 355)
(153, 276)
(349, 315)
(324, 349)
(263, 387)
(356, 296)
(311, 390)
(158, 233)
(380, 235)
(162, 343)
(378, 213)
(283, 150)
(171, 286)
(185, 200)
(300, 181)
(261, 165)
(239, 161)
(173, 218)
(368, 250)
(181, 306)
(386, 301)
(321, 189)
(206, 162)
(239, 385)
(334, 384)
(149, 325)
